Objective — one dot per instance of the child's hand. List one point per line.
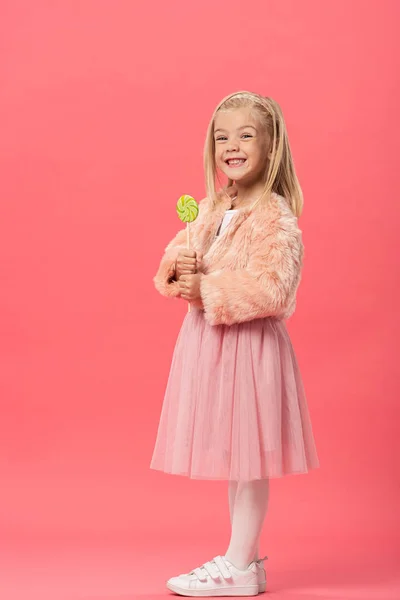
(187, 263)
(189, 287)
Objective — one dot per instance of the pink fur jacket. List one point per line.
(249, 272)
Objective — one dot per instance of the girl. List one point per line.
(234, 407)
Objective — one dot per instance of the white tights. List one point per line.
(248, 504)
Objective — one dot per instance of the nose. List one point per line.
(233, 145)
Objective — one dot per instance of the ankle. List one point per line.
(236, 561)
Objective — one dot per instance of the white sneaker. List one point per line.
(219, 577)
(261, 574)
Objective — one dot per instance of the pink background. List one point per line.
(103, 112)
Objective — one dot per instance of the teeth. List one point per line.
(236, 161)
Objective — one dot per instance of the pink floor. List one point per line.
(125, 569)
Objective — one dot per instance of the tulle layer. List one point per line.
(234, 406)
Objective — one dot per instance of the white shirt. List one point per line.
(226, 220)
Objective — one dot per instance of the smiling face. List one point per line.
(241, 145)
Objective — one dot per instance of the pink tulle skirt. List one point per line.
(234, 406)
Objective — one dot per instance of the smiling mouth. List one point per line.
(235, 162)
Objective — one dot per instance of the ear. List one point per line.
(271, 149)
(270, 152)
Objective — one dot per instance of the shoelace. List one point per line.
(217, 567)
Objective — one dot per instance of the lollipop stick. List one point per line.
(188, 246)
(188, 210)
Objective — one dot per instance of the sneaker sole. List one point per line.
(262, 587)
(249, 590)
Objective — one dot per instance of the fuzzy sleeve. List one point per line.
(163, 279)
(266, 286)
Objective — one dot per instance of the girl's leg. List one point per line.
(232, 489)
(248, 506)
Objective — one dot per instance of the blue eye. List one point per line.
(247, 135)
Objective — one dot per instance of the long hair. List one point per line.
(280, 175)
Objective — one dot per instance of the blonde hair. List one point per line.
(280, 176)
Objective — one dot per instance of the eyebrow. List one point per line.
(243, 127)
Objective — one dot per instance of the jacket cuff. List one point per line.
(163, 281)
(213, 300)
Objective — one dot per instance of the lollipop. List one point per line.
(188, 210)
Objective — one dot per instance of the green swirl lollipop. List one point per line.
(187, 209)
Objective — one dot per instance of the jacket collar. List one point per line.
(209, 231)
(226, 204)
